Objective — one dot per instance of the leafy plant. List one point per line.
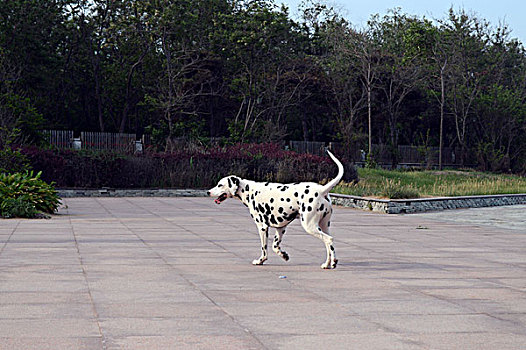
(17, 208)
(25, 194)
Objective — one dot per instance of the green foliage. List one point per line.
(248, 71)
(18, 207)
(25, 194)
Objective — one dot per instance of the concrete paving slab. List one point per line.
(163, 273)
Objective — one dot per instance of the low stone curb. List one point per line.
(397, 206)
(110, 192)
(392, 206)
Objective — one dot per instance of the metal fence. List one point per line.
(407, 155)
(59, 138)
(108, 141)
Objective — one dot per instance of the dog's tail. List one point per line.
(327, 188)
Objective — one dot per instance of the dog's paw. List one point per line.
(258, 261)
(325, 266)
(285, 256)
(334, 263)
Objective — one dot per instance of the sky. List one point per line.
(511, 12)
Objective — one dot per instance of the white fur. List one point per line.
(277, 205)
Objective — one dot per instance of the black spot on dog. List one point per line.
(316, 194)
(310, 200)
(282, 199)
(309, 208)
(280, 219)
(271, 200)
(280, 210)
(307, 191)
(267, 207)
(261, 208)
(295, 194)
(284, 188)
(328, 224)
(266, 184)
(229, 182)
(273, 220)
(321, 207)
(288, 199)
(247, 188)
(235, 180)
(332, 248)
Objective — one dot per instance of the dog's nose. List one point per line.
(208, 193)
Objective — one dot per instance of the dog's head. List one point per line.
(226, 188)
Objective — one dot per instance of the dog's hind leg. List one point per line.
(324, 225)
(263, 236)
(312, 227)
(280, 231)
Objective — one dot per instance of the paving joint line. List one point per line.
(85, 275)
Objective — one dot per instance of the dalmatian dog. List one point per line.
(275, 205)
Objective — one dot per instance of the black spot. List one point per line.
(310, 200)
(295, 194)
(267, 207)
(280, 219)
(321, 207)
(235, 180)
(302, 206)
(328, 223)
(273, 220)
(309, 208)
(229, 182)
(316, 194)
(284, 188)
(261, 208)
(307, 191)
(246, 188)
(332, 248)
(288, 199)
(271, 200)
(302, 196)
(280, 210)
(282, 199)
(266, 184)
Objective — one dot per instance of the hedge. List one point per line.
(184, 169)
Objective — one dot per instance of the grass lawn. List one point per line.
(414, 184)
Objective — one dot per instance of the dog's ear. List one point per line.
(235, 180)
(233, 183)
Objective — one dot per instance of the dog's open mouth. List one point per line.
(221, 198)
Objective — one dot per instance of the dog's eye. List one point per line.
(220, 185)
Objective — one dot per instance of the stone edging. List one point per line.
(396, 206)
(393, 206)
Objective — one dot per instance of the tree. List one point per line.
(401, 71)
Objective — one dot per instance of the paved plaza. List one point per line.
(175, 273)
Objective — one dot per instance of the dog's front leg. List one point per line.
(263, 236)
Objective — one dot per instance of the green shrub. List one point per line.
(17, 208)
(25, 194)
